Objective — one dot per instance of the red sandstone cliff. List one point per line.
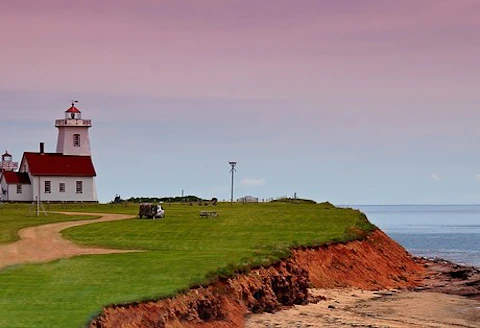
(376, 262)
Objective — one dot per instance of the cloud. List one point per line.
(252, 182)
(436, 177)
(477, 177)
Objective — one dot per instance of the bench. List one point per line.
(208, 214)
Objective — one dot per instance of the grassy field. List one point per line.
(14, 217)
(177, 252)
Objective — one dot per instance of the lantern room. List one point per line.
(73, 113)
(7, 163)
(6, 157)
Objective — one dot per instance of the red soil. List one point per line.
(376, 262)
(372, 264)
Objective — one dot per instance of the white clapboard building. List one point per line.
(68, 175)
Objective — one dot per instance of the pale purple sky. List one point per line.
(355, 102)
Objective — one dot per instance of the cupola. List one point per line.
(73, 113)
(6, 157)
(7, 163)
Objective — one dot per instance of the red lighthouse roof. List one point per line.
(55, 164)
(72, 109)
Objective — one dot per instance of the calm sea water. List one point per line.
(449, 232)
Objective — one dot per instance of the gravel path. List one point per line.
(45, 243)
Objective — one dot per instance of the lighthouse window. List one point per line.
(76, 140)
(79, 187)
(48, 187)
(19, 188)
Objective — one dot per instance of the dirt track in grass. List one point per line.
(45, 243)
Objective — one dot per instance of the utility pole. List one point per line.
(233, 173)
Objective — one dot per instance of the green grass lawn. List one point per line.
(177, 252)
(14, 217)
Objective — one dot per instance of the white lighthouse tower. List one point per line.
(73, 136)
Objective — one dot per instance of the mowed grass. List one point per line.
(178, 251)
(14, 217)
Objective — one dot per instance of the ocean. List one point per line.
(451, 232)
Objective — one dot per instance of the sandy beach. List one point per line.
(449, 296)
(357, 308)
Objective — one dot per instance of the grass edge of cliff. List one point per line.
(354, 240)
(267, 255)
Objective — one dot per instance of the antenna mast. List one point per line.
(233, 173)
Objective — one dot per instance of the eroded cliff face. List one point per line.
(376, 262)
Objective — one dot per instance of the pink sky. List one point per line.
(385, 73)
(240, 48)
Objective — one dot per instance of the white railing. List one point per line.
(73, 122)
(9, 166)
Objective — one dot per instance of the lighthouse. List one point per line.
(73, 136)
(7, 163)
(68, 175)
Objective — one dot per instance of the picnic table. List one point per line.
(208, 214)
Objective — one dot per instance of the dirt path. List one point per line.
(45, 243)
(357, 308)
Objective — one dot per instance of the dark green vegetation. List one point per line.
(294, 201)
(176, 199)
(179, 251)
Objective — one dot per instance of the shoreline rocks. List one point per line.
(449, 278)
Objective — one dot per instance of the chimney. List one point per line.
(42, 148)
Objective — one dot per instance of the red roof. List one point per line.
(56, 164)
(16, 177)
(72, 109)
